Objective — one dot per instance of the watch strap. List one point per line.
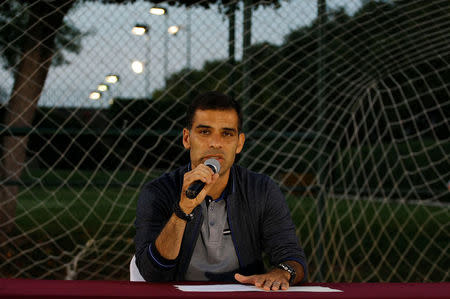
(288, 268)
(180, 214)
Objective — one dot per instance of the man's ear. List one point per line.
(186, 139)
(241, 142)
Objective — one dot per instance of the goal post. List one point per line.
(348, 113)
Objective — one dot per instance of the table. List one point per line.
(23, 288)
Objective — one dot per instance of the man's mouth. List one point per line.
(216, 157)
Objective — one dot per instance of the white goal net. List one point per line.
(346, 105)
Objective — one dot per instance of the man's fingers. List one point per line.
(198, 174)
(276, 285)
(212, 182)
(263, 282)
(267, 285)
(241, 278)
(255, 280)
(274, 280)
(244, 279)
(206, 189)
(258, 281)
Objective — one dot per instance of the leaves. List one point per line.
(15, 28)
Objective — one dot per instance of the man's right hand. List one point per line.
(200, 173)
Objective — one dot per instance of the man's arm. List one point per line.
(159, 232)
(280, 243)
(154, 209)
(169, 240)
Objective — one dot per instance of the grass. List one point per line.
(378, 241)
(363, 240)
(94, 178)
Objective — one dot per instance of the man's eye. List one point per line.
(227, 134)
(204, 132)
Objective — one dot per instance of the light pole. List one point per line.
(138, 66)
(188, 39)
(161, 11)
(174, 29)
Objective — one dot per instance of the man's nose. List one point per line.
(215, 141)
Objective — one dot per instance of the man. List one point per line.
(219, 235)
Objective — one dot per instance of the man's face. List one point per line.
(214, 134)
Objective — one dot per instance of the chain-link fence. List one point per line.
(346, 107)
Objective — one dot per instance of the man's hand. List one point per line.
(274, 280)
(200, 173)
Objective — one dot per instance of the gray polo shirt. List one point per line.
(214, 257)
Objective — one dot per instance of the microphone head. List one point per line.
(213, 164)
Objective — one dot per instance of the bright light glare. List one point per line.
(112, 79)
(102, 87)
(159, 11)
(137, 66)
(173, 29)
(139, 30)
(95, 95)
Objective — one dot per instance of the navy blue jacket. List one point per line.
(258, 217)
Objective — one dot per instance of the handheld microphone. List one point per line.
(197, 186)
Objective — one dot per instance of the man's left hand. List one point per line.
(274, 280)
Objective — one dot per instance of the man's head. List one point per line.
(213, 130)
(213, 100)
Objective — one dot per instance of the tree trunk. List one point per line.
(45, 19)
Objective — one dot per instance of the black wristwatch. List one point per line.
(180, 214)
(290, 270)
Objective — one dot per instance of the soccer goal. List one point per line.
(346, 107)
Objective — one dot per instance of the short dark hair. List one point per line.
(212, 100)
